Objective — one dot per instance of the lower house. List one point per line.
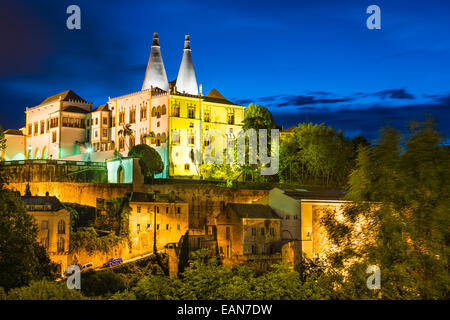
(53, 221)
(301, 211)
(156, 216)
(248, 233)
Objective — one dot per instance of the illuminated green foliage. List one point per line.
(150, 160)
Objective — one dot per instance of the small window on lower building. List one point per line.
(138, 209)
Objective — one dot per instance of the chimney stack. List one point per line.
(155, 75)
(186, 80)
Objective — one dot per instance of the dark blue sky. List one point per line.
(305, 60)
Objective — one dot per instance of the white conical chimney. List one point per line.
(155, 75)
(186, 81)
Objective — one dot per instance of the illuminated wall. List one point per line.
(120, 170)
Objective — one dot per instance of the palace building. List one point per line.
(168, 116)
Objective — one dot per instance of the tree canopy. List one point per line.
(22, 258)
(317, 154)
(150, 160)
(258, 117)
(398, 218)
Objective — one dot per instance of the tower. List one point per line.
(186, 81)
(155, 75)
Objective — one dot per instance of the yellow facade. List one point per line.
(198, 114)
(53, 230)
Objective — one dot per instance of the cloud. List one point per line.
(368, 119)
(301, 100)
(394, 94)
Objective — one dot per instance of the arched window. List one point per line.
(163, 137)
(61, 227)
(120, 175)
(163, 109)
(158, 112)
(37, 154)
(158, 140)
(61, 244)
(30, 155)
(153, 111)
(45, 153)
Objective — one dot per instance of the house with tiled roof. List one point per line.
(247, 232)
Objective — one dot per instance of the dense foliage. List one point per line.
(398, 218)
(89, 240)
(22, 258)
(317, 155)
(150, 160)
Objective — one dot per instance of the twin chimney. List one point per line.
(155, 75)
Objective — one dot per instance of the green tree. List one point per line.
(398, 218)
(45, 290)
(257, 117)
(316, 154)
(101, 283)
(150, 160)
(22, 259)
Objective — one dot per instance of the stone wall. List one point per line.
(54, 171)
(205, 200)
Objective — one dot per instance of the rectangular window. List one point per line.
(230, 118)
(178, 226)
(132, 116)
(148, 226)
(96, 121)
(44, 225)
(53, 136)
(138, 209)
(167, 209)
(186, 167)
(30, 129)
(42, 126)
(227, 233)
(105, 121)
(105, 133)
(206, 117)
(157, 209)
(157, 227)
(36, 128)
(138, 227)
(263, 231)
(178, 209)
(176, 111)
(167, 227)
(191, 112)
(272, 231)
(253, 231)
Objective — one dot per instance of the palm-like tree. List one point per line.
(126, 131)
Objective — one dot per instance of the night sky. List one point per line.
(305, 60)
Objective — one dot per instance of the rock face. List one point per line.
(186, 80)
(155, 75)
